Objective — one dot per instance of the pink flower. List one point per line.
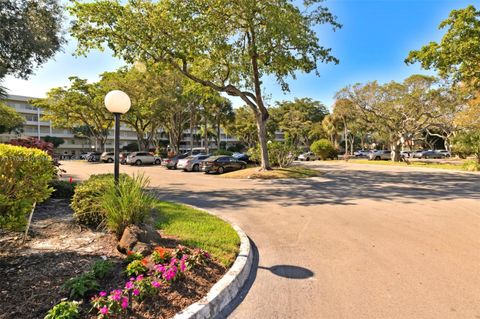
(129, 285)
(132, 278)
(104, 310)
(159, 268)
(140, 277)
(102, 293)
(136, 292)
(156, 284)
(124, 303)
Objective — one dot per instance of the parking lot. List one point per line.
(362, 241)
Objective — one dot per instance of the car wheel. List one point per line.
(243, 167)
(307, 159)
(377, 158)
(196, 168)
(158, 162)
(220, 170)
(138, 162)
(110, 160)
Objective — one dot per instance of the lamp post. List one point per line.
(118, 103)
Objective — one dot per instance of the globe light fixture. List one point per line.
(118, 103)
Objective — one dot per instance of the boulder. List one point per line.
(141, 239)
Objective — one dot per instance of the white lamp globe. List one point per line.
(117, 102)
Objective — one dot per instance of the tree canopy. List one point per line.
(226, 45)
(10, 120)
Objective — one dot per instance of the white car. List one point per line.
(445, 153)
(308, 156)
(380, 155)
(192, 163)
(140, 158)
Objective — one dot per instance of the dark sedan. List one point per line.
(221, 164)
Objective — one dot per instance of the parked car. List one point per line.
(221, 164)
(308, 156)
(94, 157)
(83, 155)
(380, 155)
(240, 156)
(445, 153)
(406, 154)
(429, 154)
(192, 163)
(140, 158)
(361, 153)
(123, 157)
(171, 163)
(107, 157)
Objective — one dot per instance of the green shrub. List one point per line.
(87, 199)
(24, 177)
(280, 154)
(62, 189)
(136, 268)
(102, 268)
(80, 286)
(127, 204)
(64, 310)
(323, 148)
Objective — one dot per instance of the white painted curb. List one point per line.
(225, 290)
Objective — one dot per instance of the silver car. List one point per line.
(140, 158)
(107, 157)
(308, 156)
(380, 155)
(192, 163)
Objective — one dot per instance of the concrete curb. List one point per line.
(228, 287)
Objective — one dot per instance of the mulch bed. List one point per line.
(58, 249)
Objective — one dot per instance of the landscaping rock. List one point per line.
(141, 239)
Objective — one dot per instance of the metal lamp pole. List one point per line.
(118, 103)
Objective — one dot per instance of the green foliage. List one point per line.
(87, 201)
(82, 285)
(31, 34)
(64, 310)
(131, 256)
(281, 154)
(56, 141)
(10, 120)
(102, 268)
(323, 148)
(458, 52)
(127, 204)
(467, 143)
(136, 268)
(62, 189)
(25, 174)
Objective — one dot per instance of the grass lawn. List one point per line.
(196, 228)
(450, 166)
(276, 173)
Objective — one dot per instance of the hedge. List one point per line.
(25, 174)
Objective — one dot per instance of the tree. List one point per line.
(144, 87)
(297, 119)
(399, 111)
(80, 104)
(458, 53)
(229, 46)
(55, 141)
(10, 120)
(468, 143)
(329, 125)
(31, 33)
(222, 114)
(243, 126)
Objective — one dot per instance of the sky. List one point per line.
(372, 44)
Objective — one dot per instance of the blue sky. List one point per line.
(372, 45)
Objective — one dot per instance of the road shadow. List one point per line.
(289, 271)
(337, 186)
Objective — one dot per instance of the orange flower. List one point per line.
(144, 261)
(129, 252)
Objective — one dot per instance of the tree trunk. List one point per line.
(218, 134)
(262, 138)
(396, 147)
(205, 133)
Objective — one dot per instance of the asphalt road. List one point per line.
(362, 241)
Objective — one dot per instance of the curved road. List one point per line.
(362, 241)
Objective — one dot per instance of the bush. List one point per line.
(87, 199)
(33, 142)
(64, 310)
(127, 204)
(467, 143)
(323, 148)
(102, 268)
(280, 154)
(62, 189)
(80, 286)
(472, 166)
(25, 174)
